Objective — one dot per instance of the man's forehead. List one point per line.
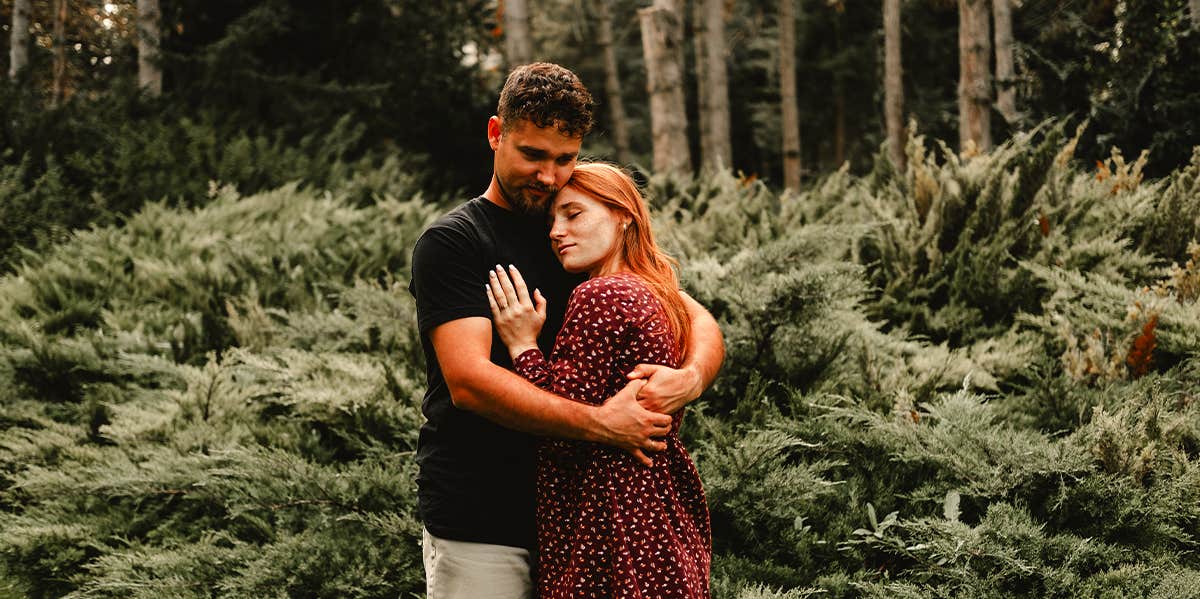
(567, 150)
(527, 128)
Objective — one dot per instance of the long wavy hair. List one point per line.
(615, 189)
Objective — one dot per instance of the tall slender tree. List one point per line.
(712, 84)
(1006, 92)
(974, 87)
(893, 82)
(612, 82)
(518, 43)
(789, 108)
(18, 46)
(149, 69)
(661, 37)
(1194, 6)
(58, 89)
(839, 95)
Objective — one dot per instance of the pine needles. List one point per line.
(976, 377)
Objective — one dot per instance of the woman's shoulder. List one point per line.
(620, 289)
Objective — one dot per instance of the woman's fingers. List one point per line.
(492, 301)
(539, 304)
(495, 292)
(510, 294)
(519, 285)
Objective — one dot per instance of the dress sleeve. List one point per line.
(533, 366)
(586, 350)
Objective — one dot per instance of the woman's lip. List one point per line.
(563, 248)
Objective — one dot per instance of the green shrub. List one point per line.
(975, 378)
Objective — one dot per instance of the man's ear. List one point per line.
(494, 132)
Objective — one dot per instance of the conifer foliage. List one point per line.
(971, 377)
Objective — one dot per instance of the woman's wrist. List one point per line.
(517, 349)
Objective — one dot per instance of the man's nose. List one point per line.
(545, 176)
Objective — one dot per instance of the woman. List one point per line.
(608, 526)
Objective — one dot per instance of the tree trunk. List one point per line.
(712, 85)
(612, 84)
(149, 69)
(893, 83)
(839, 99)
(839, 121)
(675, 6)
(664, 83)
(518, 45)
(1006, 92)
(787, 94)
(58, 88)
(974, 52)
(1195, 10)
(18, 50)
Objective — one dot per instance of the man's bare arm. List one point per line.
(668, 390)
(463, 349)
(706, 349)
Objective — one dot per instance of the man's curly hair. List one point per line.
(546, 95)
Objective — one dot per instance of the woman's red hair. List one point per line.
(610, 186)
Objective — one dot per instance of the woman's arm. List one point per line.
(532, 365)
(516, 317)
(595, 318)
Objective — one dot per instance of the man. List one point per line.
(476, 450)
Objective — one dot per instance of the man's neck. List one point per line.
(496, 196)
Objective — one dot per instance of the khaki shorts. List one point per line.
(463, 570)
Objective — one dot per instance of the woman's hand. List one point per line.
(517, 319)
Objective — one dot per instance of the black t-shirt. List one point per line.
(476, 480)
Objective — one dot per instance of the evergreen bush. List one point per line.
(973, 378)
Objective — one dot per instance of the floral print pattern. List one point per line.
(609, 526)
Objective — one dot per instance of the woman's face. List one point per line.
(585, 234)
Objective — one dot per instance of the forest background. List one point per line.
(962, 325)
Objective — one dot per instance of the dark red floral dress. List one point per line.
(609, 526)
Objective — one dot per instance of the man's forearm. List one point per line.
(706, 347)
(509, 400)
(463, 349)
(504, 397)
(669, 390)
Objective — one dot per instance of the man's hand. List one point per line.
(630, 426)
(667, 389)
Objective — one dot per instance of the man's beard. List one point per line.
(525, 204)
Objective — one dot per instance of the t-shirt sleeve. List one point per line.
(448, 276)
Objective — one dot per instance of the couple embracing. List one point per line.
(560, 353)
